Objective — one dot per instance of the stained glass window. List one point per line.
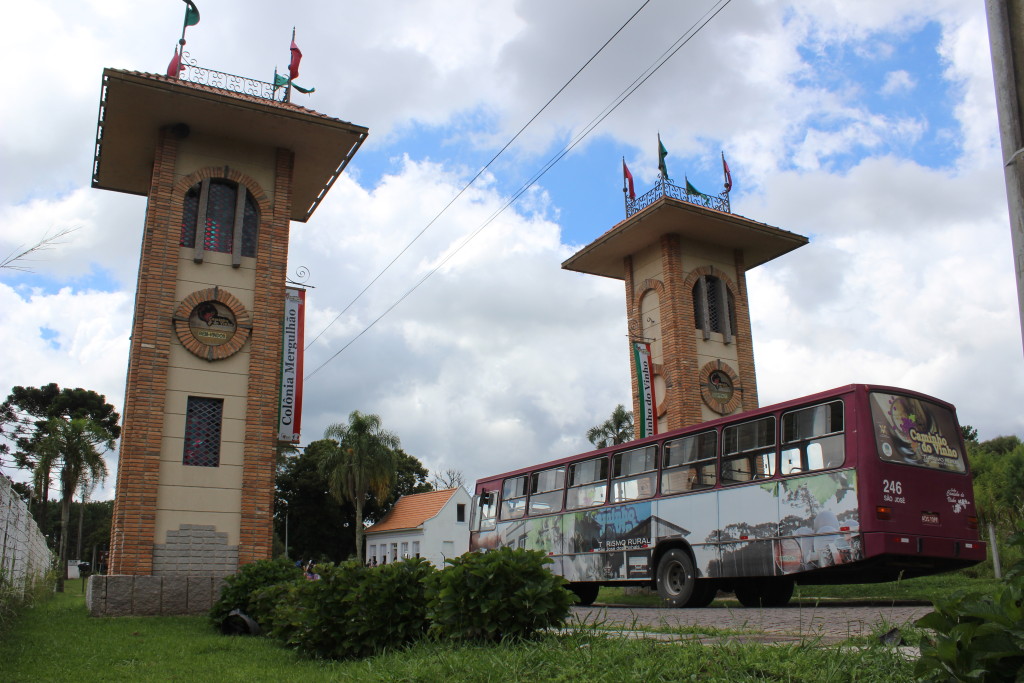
(202, 431)
(218, 229)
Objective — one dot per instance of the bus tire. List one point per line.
(676, 578)
(704, 593)
(764, 592)
(586, 593)
(748, 592)
(777, 592)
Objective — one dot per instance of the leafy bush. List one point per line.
(353, 610)
(501, 594)
(240, 587)
(978, 636)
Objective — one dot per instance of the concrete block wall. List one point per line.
(195, 549)
(147, 596)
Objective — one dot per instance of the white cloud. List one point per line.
(502, 359)
(898, 81)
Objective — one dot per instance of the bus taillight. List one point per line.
(972, 521)
(883, 512)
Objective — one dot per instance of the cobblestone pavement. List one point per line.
(829, 624)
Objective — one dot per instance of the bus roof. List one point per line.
(711, 424)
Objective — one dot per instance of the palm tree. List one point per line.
(70, 447)
(361, 462)
(615, 430)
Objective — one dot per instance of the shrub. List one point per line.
(978, 636)
(353, 610)
(240, 587)
(501, 594)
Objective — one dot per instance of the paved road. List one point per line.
(781, 624)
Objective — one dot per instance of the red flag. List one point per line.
(293, 66)
(174, 68)
(628, 179)
(728, 175)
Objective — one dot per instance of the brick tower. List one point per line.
(684, 259)
(225, 170)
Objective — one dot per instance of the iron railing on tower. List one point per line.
(193, 73)
(664, 188)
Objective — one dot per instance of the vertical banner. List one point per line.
(647, 418)
(290, 409)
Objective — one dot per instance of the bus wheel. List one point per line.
(704, 593)
(586, 593)
(777, 592)
(676, 578)
(765, 592)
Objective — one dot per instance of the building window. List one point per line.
(416, 548)
(213, 208)
(202, 431)
(405, 550)
(460, 512)
(714, 307)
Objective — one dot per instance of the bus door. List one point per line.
(748, 503)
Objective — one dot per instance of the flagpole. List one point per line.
(288, 89)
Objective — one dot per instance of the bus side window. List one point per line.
(748, 451)
(546, 491)
(513, 498)
(813, 438)
(689, 463)
(588, 483)
(634, 474)
(485, 511)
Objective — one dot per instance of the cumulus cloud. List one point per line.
(501, 359)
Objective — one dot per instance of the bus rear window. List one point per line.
(915, 432)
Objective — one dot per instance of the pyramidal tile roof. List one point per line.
(413, 510)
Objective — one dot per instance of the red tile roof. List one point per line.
(413, 510)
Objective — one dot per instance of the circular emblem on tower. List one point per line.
(212, 324)
(720, 387)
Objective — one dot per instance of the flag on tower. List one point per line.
(191, 13)
(728, 175)
(662, 153)
(690, 189)
(174, 68)
(627, 179)
(293, 66)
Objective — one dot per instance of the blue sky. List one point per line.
(871, 128)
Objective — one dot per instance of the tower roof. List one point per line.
(759, 242)
(134, 106)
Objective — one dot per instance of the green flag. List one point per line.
(191, 13)
(662, 153)
(281, 81)
(690, 189)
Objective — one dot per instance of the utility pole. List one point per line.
(1006, 38)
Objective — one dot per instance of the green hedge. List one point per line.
(356, 611)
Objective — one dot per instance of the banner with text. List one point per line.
(290, 409)
(648, 417)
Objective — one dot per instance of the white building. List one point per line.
(432, 525)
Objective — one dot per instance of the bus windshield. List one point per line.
(915, 432)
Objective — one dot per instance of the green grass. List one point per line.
(923, 589)
(57, 641)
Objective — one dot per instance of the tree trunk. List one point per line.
(65, 522)
(81, 516)
(359, 529)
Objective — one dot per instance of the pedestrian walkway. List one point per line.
(825, 624)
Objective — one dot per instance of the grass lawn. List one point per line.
(58, 641)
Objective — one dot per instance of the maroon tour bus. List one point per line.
(859, 484)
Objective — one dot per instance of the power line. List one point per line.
(616, 102)
(478, 174)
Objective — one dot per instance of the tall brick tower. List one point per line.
(225, 167)
(684, 259)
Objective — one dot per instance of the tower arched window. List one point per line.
(212, 209)
(714, 307)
